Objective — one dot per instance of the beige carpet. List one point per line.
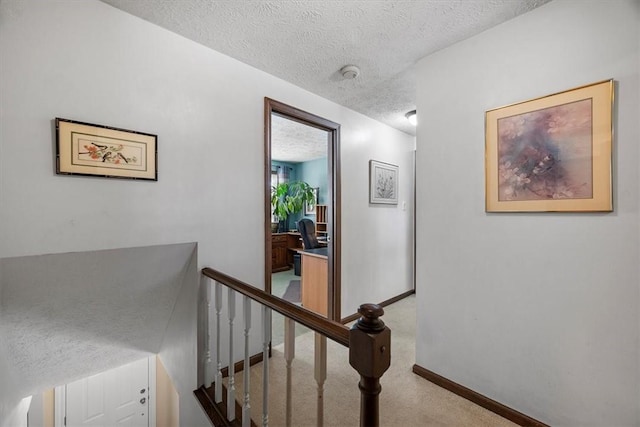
(406, 399)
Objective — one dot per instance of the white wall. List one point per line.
(90, 62)
(179, 353)
(36, 414)
(168, 400)
(8, 401)
(377, 249)
(16, 416)
(537, 311)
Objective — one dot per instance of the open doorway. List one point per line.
(302, 242)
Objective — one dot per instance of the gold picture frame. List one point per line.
(551, 154)
(96, 150)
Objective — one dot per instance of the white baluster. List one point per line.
(320, 374)
(208, 375)
(266, 339)
(218, 376)
(246, 407)
(231, 390)
(289, 354)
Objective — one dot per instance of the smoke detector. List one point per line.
(350, 72)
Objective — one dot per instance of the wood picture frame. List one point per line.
(551, 154)
(97, 150)
(383, 183)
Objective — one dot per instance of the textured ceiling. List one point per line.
(294, 142)
(308, 42)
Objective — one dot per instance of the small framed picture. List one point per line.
(96, 150)
(551, 154)
(383, 183)
(310, 209)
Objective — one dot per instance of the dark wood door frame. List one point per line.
(333, 179)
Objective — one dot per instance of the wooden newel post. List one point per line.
(370, 355)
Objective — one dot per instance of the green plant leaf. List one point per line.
(289, 197)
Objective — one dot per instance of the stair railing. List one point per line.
(368, 340)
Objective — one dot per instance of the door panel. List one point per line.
(116, 397)
(131, 401)
(89, 402)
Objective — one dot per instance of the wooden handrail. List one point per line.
(333, 330)
(368, 340)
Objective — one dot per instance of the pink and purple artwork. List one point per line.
(546, 154)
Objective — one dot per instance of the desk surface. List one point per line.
(319, 252)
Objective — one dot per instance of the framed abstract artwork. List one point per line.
(383, 183)
(551, 154)
(96, 150)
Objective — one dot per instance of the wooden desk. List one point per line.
(283, 247)
(279, 244)
(313, 283)
(294, 244)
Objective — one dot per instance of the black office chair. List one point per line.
(308, 233)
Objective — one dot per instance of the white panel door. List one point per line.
(119, 397)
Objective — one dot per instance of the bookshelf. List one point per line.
(321, 222)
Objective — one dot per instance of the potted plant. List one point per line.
(289, 198)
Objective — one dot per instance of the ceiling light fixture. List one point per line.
(412, 117)
(350, 72)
